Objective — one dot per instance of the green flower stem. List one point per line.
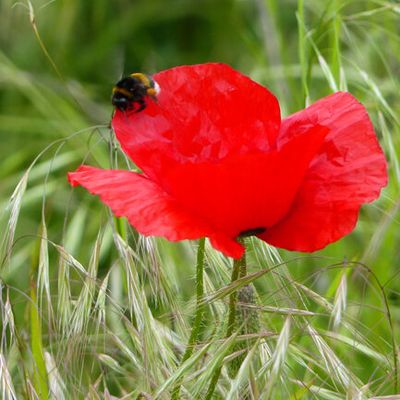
(199, 313)
(239, 270)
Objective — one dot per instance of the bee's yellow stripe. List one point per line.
(125, 92)
(142, 77)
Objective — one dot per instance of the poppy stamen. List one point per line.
(252, 232)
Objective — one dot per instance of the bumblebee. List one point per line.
(130, 92)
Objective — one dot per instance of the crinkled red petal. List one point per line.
(227, 245)
(203, 113)
(147, 207)
(349, 170)
(248, 191)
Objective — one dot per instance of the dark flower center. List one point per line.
(252, 232)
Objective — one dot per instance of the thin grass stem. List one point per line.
(302, 49)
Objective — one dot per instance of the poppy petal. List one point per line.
(349, 170)
(246, 192)
(148, 208)
(203, 113)
(227, 245)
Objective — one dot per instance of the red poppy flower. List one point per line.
(217, 161)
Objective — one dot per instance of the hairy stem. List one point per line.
(199, 313)
(239, 270)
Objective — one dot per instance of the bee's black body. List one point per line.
(130, 92)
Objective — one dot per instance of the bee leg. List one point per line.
(142, 105)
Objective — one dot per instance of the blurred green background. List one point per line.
(58, 63)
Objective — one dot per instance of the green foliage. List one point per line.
(100, 311)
